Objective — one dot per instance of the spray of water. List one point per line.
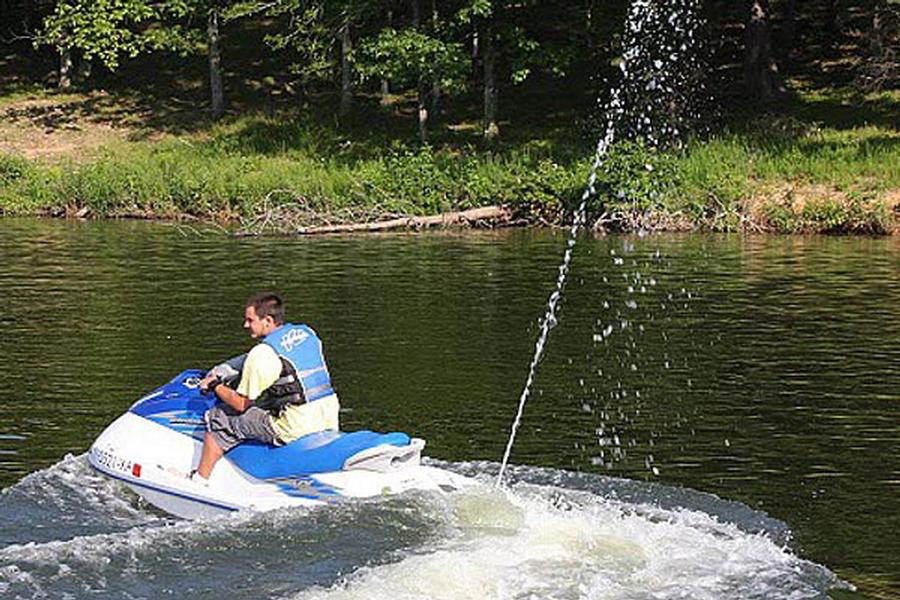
(549, 321)
(658, 70)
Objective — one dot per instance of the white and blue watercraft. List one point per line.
(154, 445)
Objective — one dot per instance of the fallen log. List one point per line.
(500, 214)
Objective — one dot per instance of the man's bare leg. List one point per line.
(209, 456)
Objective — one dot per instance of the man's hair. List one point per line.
(267, 304)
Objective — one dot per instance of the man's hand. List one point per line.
(207, 381)
(224, 393)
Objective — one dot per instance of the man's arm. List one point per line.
(230, 369)
(232, 398)
(261, 369)
(224, 393)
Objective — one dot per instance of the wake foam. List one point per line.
(540, 541)
(67, 532)
(66, 500)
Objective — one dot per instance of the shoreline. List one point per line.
(661, 224)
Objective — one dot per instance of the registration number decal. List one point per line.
(112, 462)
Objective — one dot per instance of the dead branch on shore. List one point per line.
(300, 218)
(471, 216)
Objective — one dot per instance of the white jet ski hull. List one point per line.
(154, 459)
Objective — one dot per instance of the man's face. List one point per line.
(257, 327)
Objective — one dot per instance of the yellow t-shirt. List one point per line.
(263, 368)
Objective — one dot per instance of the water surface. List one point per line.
(715, 416)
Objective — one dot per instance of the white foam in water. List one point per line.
(66, 491)
(553, 539)
(545, 542)
(92, 562)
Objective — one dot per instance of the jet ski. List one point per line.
(154, 446)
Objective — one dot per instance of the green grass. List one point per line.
(241, 168)
(249, 164)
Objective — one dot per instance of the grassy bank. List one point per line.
(832, 167)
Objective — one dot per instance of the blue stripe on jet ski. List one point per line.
(163, 490)
(181, 395)
(294, 488)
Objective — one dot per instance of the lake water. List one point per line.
(715, 416)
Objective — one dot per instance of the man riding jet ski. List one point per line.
(284, 390)
(278, 429)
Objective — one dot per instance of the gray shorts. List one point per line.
(229, 427)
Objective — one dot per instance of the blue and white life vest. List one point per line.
(300, 350)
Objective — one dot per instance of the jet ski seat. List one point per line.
(326, 451)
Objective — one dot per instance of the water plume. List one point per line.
(659, 66)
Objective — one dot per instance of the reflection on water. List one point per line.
(761, 369)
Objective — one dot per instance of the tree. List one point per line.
(216, 90)
(321, 34)
(214, 14)
(114, 30)
(789, 27)
(108, 30)
(507, 34)
(761, 76)
(416, 60)
(880, 67)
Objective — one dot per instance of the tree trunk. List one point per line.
(422, 115)
(491, 94)
(65, 69)
(385, 84)
(85, 68)
(421, 96)
(435, 85)
(215, 65)
(589, 24)
(346, 75)
(27, 11)
(833, 23)
(880, 68)
(416, 13)
(876, 39)
(789, 33)
(761, 75)
(493, 215)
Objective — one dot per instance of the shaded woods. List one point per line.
(430, 48)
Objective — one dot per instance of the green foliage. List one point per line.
(308, 30)
(428, 181)
(12, 168)
(111, 29)
(475, 9)
(247, 167)
(308, 35)
(713, 177)
(635, 178)
(24, 187)
(518, 33)
(410, 58)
